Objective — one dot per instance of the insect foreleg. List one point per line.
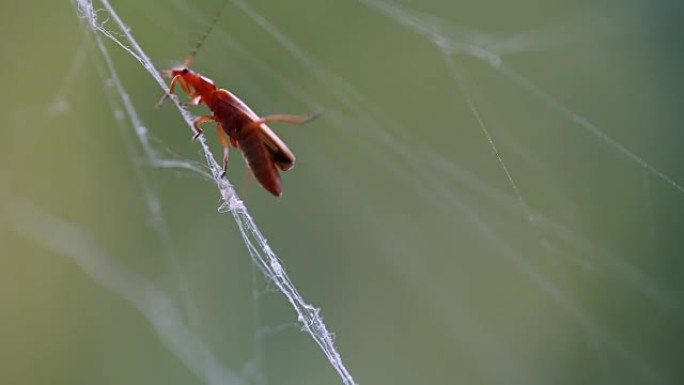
(172, 89)
(196, 101)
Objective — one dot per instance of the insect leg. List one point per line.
(197, 122)
(226, 147)
(292, 119)
(195, 100)
(172, 89)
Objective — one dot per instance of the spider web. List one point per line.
(472, 207)
(255, 242)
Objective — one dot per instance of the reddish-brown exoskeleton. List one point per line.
(238, 125)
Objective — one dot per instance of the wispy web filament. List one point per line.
(261, 253)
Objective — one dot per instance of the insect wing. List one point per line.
(281, 154)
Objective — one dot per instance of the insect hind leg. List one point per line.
(226, 147)
(291, 119)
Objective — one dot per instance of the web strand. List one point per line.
(153, 303)
(476, 45)
(260, 251)
(472, 44)
(151, 197)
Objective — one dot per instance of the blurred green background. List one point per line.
(430, 264)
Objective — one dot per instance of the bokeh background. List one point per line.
(493, 195)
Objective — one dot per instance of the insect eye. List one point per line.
(186, 70)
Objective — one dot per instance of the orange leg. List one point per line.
(292, 119)
(197, 122)
(226, 147)
(195, 100)
(172, 89)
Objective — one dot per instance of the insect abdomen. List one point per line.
(259, 161)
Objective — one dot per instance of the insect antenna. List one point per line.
(203, 38)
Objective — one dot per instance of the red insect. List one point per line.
(238, 125)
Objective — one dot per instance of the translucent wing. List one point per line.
(280, 153)
(282, 156)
